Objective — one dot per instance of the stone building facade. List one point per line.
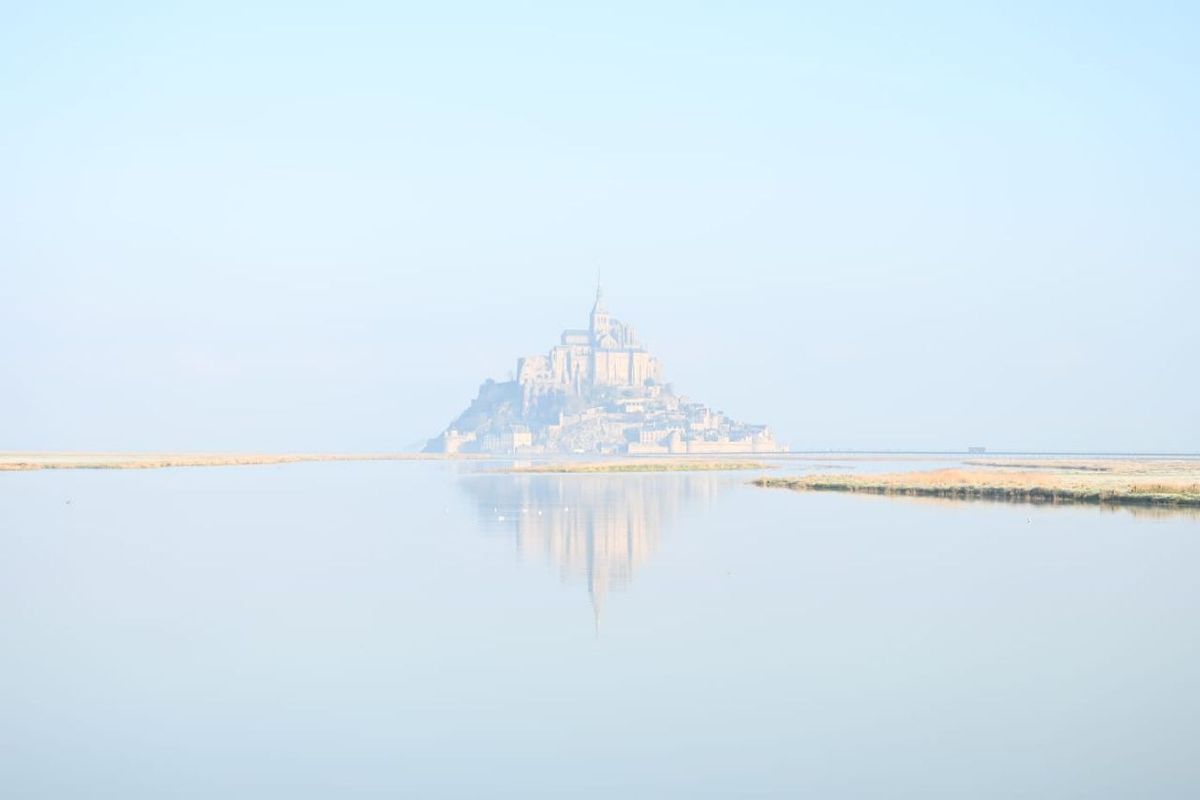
(606, 354)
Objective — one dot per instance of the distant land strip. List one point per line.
(671, 465)
(1161, 483)
(1050, 464)
(20, 461)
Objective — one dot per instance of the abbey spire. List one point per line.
(599, 325)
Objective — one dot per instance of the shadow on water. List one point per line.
(596, 529)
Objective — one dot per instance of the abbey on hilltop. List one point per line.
(597, 391)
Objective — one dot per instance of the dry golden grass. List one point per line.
(1154, 482)
(35, 461)
(647, 465)
(1165, 488)
(1048, 464)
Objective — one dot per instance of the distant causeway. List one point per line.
(35, 460)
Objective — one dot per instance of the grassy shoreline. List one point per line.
(30, 461)
(1164, 483)
(597, 467)
(26, 461)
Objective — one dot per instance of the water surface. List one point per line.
(415, 629)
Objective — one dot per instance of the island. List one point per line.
(598, 391)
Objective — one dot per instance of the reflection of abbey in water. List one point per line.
(599, 528)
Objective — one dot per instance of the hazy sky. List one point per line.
(867, 225)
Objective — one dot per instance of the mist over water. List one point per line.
(364, 629)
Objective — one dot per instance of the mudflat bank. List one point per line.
(647, 465)
(1126, 481)
(12, 461)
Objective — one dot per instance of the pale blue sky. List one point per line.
(251, 226)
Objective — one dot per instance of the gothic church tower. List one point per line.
(600, 323)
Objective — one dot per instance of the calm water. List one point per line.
(413, 630)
